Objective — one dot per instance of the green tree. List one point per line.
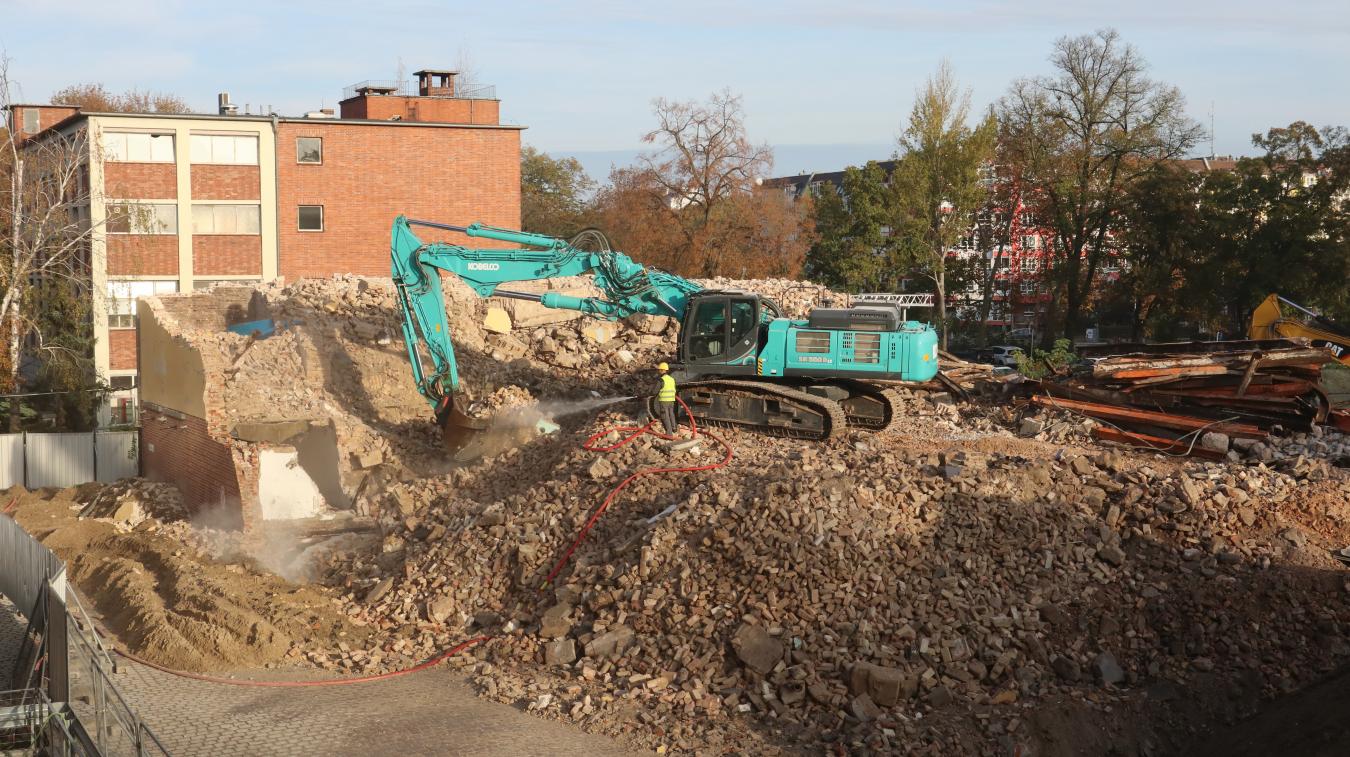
(937, 187)
(851, 252)
(553, 193)
(1087, 133)
(1278, 223)
(1162, 230)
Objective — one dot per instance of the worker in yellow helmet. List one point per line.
(665, 399)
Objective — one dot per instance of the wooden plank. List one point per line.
(1134, 415)
(1187, 371)
(1282, 389)
(1301, 357)
(1156, 443)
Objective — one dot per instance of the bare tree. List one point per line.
(44, 245)
(1087, 133)
(704, 159)
(94, 98)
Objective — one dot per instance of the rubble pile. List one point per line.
(131, 501)
(928, 588)
(878, 590)
(1194, 398)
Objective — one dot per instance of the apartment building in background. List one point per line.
(1018, 301)
(179, 202)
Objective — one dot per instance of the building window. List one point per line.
(122, 296)
(31, 120)
(1031, 242)
(142, 218)
(309, 150)
(123, 147)
(1028, 219)
(225, 149)
(310, 218)
(1030, 286)
(1031, 265)
(1004, 263)
(1029, 312)
(225, 219)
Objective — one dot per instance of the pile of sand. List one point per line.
(173, 604)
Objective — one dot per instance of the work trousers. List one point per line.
(667, 414)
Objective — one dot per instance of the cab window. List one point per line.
(742, 320)
(706, 339)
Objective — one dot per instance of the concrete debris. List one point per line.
(898, 581)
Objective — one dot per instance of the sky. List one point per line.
(825, 83)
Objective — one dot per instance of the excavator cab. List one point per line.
(720, 328)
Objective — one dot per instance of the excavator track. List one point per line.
(766, 408)
(868, 406)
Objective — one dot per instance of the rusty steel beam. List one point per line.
(1135, 415)
(1156, 443)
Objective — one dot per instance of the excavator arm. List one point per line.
(1269, 322)
(628, 288)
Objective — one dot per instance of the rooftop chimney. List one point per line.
(436, 83)
(226, 107)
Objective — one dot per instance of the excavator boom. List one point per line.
(1270, 322)
(416, 266)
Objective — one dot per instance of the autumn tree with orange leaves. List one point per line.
(693, 204)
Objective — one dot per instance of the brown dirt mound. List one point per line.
(171, 605)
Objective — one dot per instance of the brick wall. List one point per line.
(140, 181)
(372, 173)
(142, 254)
(211, 182)
(177, 448)
(122, 349)
(425, 109)
(226, 254)
(48, 116)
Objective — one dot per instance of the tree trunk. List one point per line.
(12, 314)
(942, 304)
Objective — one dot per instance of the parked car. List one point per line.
(1005, 355)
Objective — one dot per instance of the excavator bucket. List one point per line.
(458, 429)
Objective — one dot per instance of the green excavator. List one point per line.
(739, 360)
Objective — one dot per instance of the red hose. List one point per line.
(297, 684)
(636, 431)
(589, 444)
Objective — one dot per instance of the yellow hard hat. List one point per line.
(662, 367)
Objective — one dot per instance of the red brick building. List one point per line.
(183, 201)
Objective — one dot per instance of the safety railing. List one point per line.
(115, 727)
(30, 723)
(405, 88)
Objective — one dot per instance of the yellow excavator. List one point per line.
(1270, 322)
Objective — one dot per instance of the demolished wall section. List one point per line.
(337, 361)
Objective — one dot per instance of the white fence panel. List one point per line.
(11, 460)
(60, 459)
(115, 455)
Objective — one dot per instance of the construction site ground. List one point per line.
(434, 712)
(981, 578)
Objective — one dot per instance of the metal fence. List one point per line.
(67, 459)
(97, 720)
(25, 566)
